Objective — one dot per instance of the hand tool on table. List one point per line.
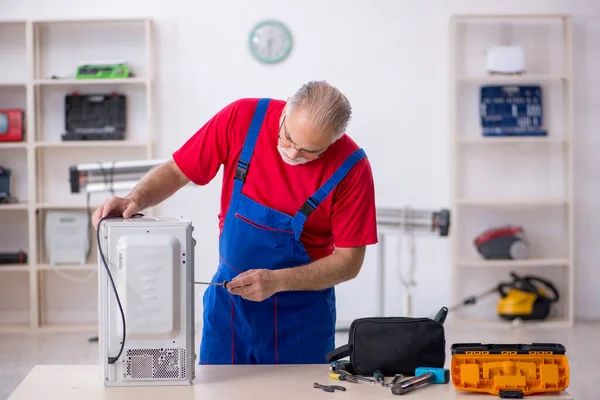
(397, 377)
(224, 283)
(338, 368)
(423, 376)
(343, 377)
(379, 376)
(328, 388)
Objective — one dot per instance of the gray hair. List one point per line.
(327, 107)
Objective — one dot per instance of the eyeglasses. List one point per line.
(285, 138)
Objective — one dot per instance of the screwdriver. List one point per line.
(379, 376)
(224, 283)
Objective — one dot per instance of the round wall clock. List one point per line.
(270, 41)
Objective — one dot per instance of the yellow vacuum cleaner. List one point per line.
(522, 298)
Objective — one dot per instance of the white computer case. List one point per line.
(151, 260)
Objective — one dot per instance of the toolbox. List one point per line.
(509, 370)
(95, 116)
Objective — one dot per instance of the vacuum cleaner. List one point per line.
(522, 298)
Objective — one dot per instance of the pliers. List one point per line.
(328, 388)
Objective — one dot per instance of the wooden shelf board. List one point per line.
(509, 16)
(86, 82)
(51, 328)
(13, 145)
(526, 202)
(14, 268)
(14, 206)
(65, 206)
(511, 78)
(512, 140)
(10, 328)
(13, 84)
(13, 22)
(91, 20)
(92, 143)
(498, 323)
(75, 267)
(532, 262)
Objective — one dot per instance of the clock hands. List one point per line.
(270, 45)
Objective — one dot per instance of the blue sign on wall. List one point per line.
(511, 111)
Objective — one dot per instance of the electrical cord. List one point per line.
(89, 213)
(112, 360)
(108, 178)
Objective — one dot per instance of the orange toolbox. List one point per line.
(509, 370)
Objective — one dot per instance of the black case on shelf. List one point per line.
(95, 116)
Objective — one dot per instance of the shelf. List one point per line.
(75, 267)
(525, 202)
(14, 206)
(532, 262)
(13, 145)
(494, 140)
(14, 268)
(91, 143)
(525, 78)
(62, 298)
(521, 180)
(85, 82)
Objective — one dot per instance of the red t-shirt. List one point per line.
(346, 218)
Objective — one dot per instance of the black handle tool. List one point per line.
(328, 388)
(224, 283)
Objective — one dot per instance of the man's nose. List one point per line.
(294, 153)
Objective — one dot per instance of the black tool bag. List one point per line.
(393, 345)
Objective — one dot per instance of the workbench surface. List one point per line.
(239, 382)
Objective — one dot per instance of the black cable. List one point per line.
(112, 178)
(108, 178)
(89, 213)
(112, 360)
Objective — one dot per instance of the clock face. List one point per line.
(270, 42)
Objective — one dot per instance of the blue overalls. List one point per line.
(289, 327)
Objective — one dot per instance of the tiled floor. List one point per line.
(20, 352)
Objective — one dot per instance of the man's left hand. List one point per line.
(255, 284)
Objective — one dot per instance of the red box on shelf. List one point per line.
(11, 125)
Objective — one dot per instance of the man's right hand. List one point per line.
(115, 206)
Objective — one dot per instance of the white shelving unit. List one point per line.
(38, 69)
(512, 180)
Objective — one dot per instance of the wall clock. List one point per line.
(270, 41)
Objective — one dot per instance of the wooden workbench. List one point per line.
(239, 382)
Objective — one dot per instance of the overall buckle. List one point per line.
(308, 207)
(241, 170)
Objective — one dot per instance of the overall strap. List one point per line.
(241, 169)
(313, 201)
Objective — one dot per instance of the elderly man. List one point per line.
(297, 211)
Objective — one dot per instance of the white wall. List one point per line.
(391, 59)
